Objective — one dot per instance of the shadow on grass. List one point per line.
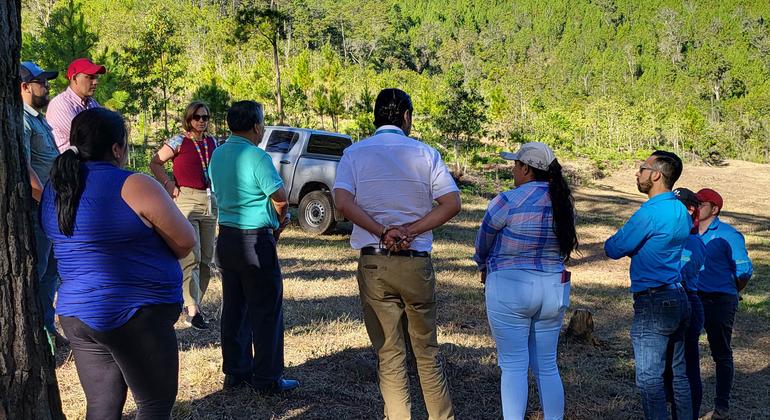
(344, 385)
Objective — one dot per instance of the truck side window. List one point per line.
(327, 145)
(281, 141)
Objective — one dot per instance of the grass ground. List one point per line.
(328, 350)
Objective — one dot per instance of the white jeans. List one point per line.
(525, 310)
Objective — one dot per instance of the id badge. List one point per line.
(208, 199)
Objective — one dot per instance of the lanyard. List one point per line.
(204, 162)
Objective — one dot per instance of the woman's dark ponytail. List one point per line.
(92, 135)
(563, 206)
(66, 181)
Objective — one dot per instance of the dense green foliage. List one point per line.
(607, 79)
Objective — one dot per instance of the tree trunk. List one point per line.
(28, 388)
(278, 94)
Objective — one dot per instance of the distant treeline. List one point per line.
(605, 79)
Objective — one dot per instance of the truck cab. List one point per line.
(307, 162)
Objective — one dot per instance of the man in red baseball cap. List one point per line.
(83, 76)
(726, 271)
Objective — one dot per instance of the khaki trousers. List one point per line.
(197, 266)
(390, 287)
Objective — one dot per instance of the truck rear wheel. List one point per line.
(316, 213)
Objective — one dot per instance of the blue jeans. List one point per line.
(47, 274)
(660, 320)
(525, 310)
(691, 358)
(719, 316)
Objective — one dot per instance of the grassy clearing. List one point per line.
(328, 350)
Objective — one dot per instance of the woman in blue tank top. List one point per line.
(117, 237)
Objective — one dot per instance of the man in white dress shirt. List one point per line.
(386, 185)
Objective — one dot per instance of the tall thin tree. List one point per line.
(28, 388)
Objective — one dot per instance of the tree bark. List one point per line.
(28, 388)
(278, 93)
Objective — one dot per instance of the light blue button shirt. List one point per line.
(653, 237)
(243, 178)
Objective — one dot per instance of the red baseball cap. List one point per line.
(85, 66)
(707, 195)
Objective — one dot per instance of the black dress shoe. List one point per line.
(234, 381)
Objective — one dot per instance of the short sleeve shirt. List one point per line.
(395, 180)
(243, 178)
(39, 144)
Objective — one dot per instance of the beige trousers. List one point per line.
(390, 287)
(197, 266)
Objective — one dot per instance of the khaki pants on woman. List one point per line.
(197, 267)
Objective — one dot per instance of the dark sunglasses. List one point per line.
(201, 117)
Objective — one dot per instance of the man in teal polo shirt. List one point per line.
(253, 210)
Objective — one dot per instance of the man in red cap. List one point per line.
(83, 76)
(726, 271)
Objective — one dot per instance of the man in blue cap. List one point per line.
(40, 151)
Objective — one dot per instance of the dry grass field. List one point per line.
(327, 348)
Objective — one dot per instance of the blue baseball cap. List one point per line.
(30, 71)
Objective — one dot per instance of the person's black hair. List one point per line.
(93, 133)
(390, 106)
(669, 165)
(563, 207)
(244, 115)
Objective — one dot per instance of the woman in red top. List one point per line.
(191, 190)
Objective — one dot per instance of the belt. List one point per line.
(653, 290)
(370, 250)
(260, 231)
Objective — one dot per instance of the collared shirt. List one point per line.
(726, 259)
(63, 108)
(395, 180)
(39, 144)
(189, 159)
(653, 237)
(693, 257)
(517, 232)
(243, 178)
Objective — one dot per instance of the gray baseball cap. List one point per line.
(535, 154)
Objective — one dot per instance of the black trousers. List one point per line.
(719, 316)
(141, 355)
(252, 305)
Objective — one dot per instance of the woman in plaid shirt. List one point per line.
(526, 236)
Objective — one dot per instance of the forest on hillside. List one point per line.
(604, 79)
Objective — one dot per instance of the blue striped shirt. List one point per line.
(113, 264)
(517, 232)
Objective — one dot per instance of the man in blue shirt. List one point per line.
(253, 210)
(40, 151)
(654, 238)
(693, 256)
(726, 271)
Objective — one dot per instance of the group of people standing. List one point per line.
(687, 268)
(129, 253)
(133, 252)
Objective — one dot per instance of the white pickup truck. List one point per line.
(307, 161)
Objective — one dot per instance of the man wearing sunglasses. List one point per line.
(654, 238)
(726, 272)
(83, 76)
(40, 151)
